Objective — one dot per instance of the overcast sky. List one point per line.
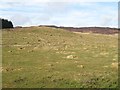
(62, 13)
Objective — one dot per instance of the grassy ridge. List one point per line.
(43, 57)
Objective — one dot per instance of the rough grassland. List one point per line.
(42, 57)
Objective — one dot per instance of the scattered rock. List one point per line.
(36, 47)
(114, 65)
(114, 59)
(57, 62)
(9, 51)
(81, 66)
(71, 57)
(24, 37)
(50, 64)
(76, 62)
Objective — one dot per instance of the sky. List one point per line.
(60, 13)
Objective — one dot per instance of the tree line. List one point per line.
(5, 23)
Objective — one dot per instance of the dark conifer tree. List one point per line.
(6, 24)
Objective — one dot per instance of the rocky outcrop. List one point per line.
(6, 24)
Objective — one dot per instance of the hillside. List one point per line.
(48, 57)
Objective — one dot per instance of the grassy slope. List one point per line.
(42, 57)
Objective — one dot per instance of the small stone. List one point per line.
(9, 51)
(114, 65)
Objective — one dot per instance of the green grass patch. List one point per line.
(44, 57)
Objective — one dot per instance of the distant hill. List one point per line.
(102, 30)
